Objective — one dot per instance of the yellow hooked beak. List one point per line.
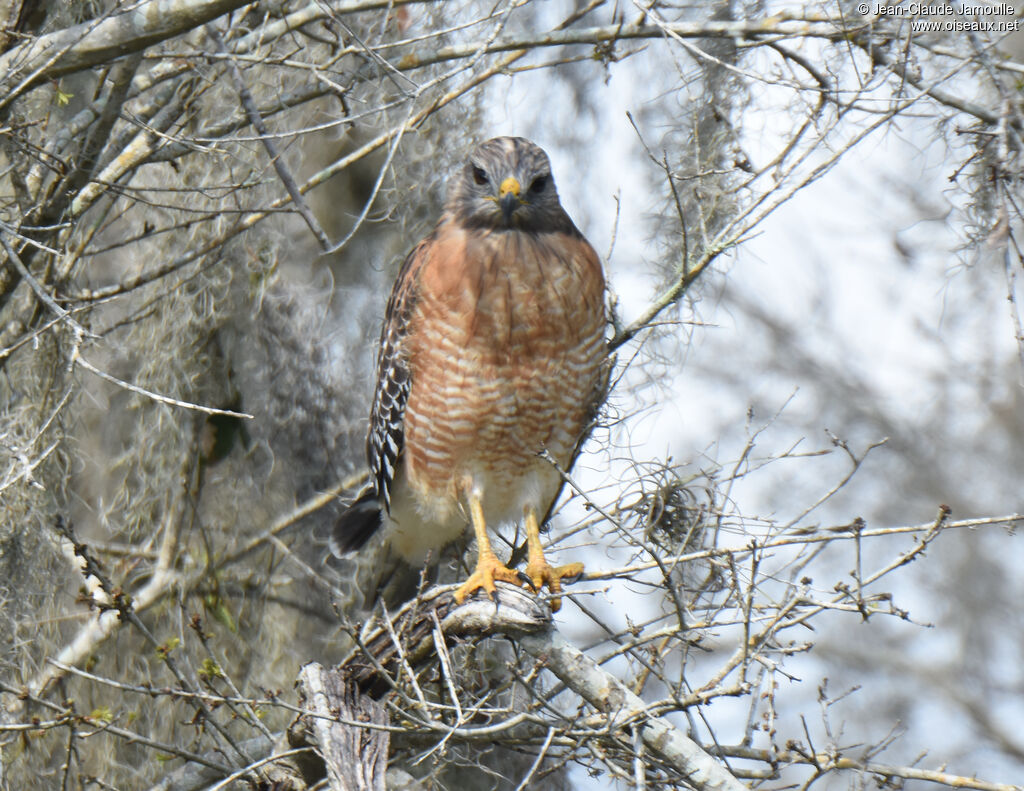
(508, 197)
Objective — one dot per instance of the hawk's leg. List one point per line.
(488, 567)
(537, 568)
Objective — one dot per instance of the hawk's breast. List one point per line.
(505, 358)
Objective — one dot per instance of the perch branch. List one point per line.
(519, 614)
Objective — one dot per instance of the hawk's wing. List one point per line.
(386, 433)
(385, 436)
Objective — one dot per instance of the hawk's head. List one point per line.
(506, 184)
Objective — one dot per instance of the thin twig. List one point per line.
(276, 159)
(34, 284)
(77, 359)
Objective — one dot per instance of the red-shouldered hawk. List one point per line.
(492, 352)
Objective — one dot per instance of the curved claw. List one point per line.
(527, 582)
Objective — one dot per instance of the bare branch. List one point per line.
(98, 41)
(624, 709)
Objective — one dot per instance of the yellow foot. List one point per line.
(540, 574)
(488, 569)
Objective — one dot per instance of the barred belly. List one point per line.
(506, 365)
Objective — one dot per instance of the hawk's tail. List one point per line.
(358, 522)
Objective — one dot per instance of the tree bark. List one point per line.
(356, 757)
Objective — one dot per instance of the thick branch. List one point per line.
(518, 613)
(746, 29)
(356, 758)
(98, 41)
(613, 698)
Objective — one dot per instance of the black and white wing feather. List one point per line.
(386, 433)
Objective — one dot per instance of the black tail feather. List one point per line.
(358, 522)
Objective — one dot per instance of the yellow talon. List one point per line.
(488, 569)
(537, 567)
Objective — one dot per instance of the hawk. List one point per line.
(492, 352)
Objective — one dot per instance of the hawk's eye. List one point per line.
(479, 175)
(539, 184)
